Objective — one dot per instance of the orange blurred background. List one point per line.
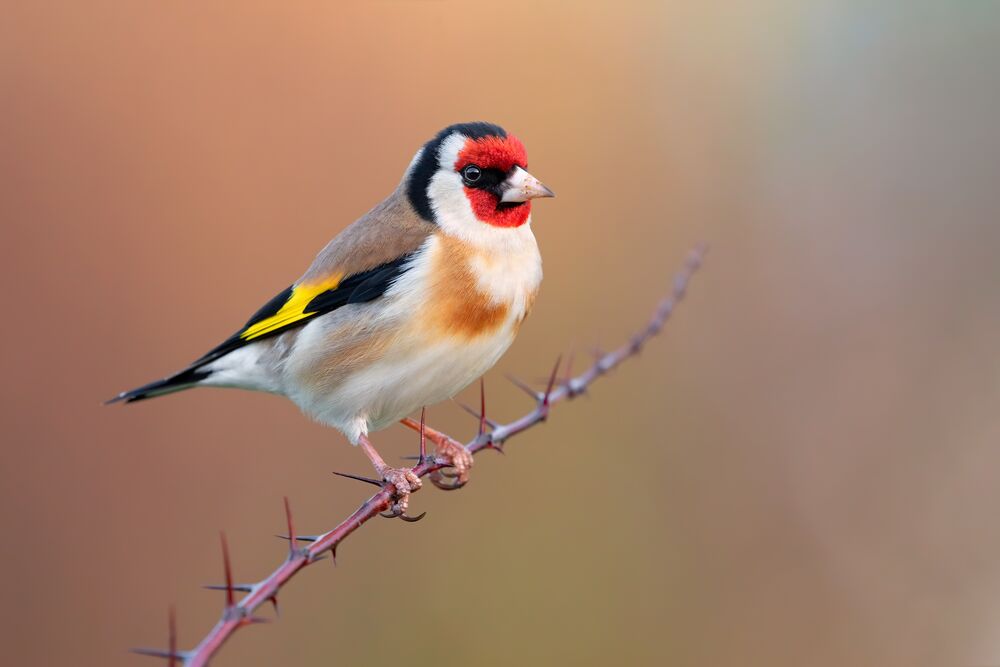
(803, 470)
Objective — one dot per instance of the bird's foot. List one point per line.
(403, 482)
(453, 454)
(449, 453)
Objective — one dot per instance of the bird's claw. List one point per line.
(454, 455)
(440, 480)
(403, 482)
(394, 513)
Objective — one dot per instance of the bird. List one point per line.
(404, 308)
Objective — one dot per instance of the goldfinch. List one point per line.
(404, 308)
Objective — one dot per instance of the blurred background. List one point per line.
(803, 470)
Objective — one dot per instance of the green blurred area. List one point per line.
(802, 470)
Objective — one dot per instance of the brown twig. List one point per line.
(238, 614)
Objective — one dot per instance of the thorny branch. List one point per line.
(304, 550)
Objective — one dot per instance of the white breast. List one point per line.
(513, 275)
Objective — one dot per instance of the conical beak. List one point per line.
(522, 186)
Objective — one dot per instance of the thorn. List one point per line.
(293, 545)
(525, 388)
(477, 415)
(423, 435)
(172, 656)
(482, 405)
(300, 538)
(172, 633)
(467, 408)
(573, 386)
(368, 480)
(230, 593)
(552, 382)
(240, 588)
(317, 557)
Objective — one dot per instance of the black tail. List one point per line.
(187, 378)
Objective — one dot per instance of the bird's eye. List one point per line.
(471, 174)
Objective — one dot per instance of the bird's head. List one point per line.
(473, 174)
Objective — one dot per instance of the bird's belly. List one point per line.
(434, 374)
(408, 375)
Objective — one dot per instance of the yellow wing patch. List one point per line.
(294, 309)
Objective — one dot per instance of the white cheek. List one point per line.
(452, 208)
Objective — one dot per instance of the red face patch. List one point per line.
(495, 153)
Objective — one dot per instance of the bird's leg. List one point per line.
(447, 451)
(403, 480)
